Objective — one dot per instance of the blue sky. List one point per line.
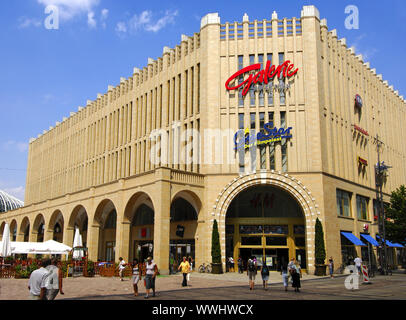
(46, 74)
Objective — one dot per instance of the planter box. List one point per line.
(217, 268)
(320, 270)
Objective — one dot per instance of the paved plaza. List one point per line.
(217, 287)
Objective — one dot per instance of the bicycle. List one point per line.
(341, 269)
(371, 271)
(205, 268)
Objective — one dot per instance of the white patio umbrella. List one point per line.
(77, 243)
(6, 243)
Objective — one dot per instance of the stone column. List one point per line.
(93, 241)
(162, 203)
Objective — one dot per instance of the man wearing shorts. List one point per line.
(150, 276)
(252, 272)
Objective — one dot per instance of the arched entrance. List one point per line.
(38, 229)
(13, 230)
(106, 217)
(289, 184)
(266, 222)
(183, 215)
(25, 230)
(56, 225)
(78, 219)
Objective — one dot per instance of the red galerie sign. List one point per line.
(263, 76)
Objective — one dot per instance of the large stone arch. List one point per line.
(137, 199)
(106, 236)
(35, 232)
(13, 230)
(2, 226)
(136, 203)
(56, 221)
(191, 197)
(285, 182)
(24, 232)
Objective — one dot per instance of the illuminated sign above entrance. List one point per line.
(244, 139)
(285, 70)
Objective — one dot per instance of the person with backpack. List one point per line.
(251, 272)
(265, 274)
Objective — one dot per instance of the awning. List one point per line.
(390, 244)
(371, 240)
(353, 238)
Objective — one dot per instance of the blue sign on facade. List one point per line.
(244, 139)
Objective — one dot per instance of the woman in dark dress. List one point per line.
(296, 273)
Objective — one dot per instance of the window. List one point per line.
(343, 203)
(362, 207)
(240, 62)
(240, 97)
(261, 60)
(252, 120)
(241, 121)
(261, 121)
(284, 145)
(271, 145)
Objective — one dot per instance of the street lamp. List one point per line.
(381, 173)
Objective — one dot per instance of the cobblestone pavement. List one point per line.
(216, 287)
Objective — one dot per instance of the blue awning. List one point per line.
(371, 240)
(390, 244)
(353, 238)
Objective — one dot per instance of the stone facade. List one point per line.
(102, 158)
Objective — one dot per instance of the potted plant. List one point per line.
(320, 250)
(89, 269)
(217, 267)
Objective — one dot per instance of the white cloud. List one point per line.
(104, 16)
(11, 144)
(68, 9)
(169, 17)
(144, 21)
(367, 52)
(17, 192)
(28, 22)
(91, 22)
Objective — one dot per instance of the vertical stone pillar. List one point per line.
(68, 234)
(93, 242)
(162, 203)
(122, 235)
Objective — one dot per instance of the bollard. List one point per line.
(365, 275)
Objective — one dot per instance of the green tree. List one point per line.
(320, 250)
(215, 244)
(395, 224)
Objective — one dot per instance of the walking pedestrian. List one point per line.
(251, 272)
(121, 268)
(296, 274)
(184, 267)
(190, 259)
(37, 283)
(239, 264)
(54, 280)
(231, 261)
(137, 276)
(150, 276)
(331, 267)
(265, 274)
(358, 263)
(285, 275)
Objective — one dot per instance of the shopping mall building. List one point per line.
(263, 126)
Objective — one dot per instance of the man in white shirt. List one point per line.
(358, 263)
(121, 268)
(38, 281)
